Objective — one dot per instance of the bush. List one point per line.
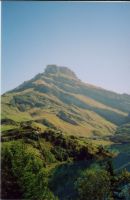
(60, 153)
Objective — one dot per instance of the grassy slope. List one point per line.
(93, 109)
(91, 121)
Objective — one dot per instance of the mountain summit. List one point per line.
(59, 71)
(59, 100)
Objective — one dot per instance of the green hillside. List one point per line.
(60, 137)
(57, 98)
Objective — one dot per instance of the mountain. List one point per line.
(57, 99)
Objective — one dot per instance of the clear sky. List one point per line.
(92, 39)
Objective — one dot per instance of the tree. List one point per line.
(10, 188)
(94, 184)
(110, 168)
(27, 174)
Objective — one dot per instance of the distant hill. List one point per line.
(57, 99)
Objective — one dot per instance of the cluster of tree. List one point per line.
(65, 147)
(98, 183)
(23, 175)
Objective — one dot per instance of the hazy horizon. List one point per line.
(92, 39)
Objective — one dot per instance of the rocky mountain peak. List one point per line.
(59, 70)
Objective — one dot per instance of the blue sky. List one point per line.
(93, 39)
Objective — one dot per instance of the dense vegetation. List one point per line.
(49, 165)
(100, 184)
(23, 174)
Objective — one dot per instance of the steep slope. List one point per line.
(58, 99)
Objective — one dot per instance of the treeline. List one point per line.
(65, 147)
